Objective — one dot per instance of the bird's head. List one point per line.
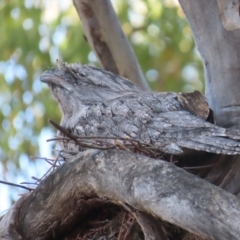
(77, 86)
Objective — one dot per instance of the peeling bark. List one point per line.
(230, 14)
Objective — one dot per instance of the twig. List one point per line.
(199, 167)
(43, 158)
(126, 144)
(92, 137)
(16, 185)
(75, 138)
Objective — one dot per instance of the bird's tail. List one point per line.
(228, 143)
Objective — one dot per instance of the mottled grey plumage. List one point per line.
(98, 103)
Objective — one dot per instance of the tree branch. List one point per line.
(221, 56)
(213, 23)
(145, 185)
(107, 39)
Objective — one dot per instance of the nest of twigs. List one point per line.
(109, 142)
(126, 144)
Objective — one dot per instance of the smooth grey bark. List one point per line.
(216, 28)
(133, 181)
(107, 39)
(212, 25)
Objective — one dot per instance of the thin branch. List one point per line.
(16, 185)
(75, 138)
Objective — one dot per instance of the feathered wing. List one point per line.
(156, 119)
(102, 104)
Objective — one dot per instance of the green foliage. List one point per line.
(35, 33)
(163, 43)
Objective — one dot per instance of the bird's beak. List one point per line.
(55, 80)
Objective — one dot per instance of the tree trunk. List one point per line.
(215, 25)
(218, 43)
